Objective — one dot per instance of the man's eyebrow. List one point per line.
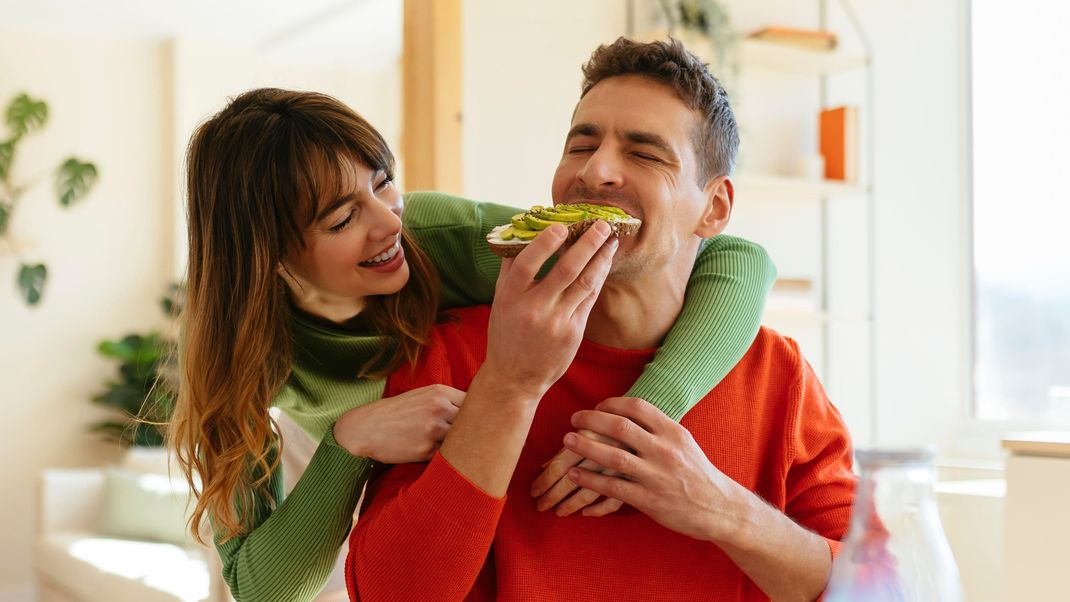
(649, 139)
(583, 129)
(335, 204)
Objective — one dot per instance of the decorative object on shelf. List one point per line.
(811, 168)
(73, 180)
(838, 130)
(144, 393)
(810, 39)
(708, 20)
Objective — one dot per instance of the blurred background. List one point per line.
(903, 162)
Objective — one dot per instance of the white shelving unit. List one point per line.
(769, 184)
(755, 54)
(838, 334)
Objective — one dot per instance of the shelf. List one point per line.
(813, 315)
(767, 56)
(796, 61)
(771, 185)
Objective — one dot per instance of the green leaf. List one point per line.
(73, 180)
(7, 156)
(5, 212)
(25, 114)
(32, 282)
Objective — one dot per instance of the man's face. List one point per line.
(630, 146)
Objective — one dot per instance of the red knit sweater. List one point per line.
(429, 534)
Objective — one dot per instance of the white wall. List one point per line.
(521, 68)
(109, 258)
(130, 106)
(207, 73)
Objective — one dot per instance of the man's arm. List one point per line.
(431, 515)
(670, 479)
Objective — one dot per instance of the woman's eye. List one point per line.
(580, 149)
(342, 224)
(646, 157)
(384, 183)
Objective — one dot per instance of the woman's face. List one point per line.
(353, 247)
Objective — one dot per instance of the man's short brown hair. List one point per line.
(668, 62)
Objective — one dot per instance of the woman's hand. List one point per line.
(405, 428)
(553, 486)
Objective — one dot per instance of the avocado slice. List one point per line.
(537, 223)
(519, 223)
(525, 234)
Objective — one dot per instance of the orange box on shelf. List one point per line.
(838, 131)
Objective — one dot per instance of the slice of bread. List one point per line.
(621, 223)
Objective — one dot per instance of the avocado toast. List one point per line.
(509, 239)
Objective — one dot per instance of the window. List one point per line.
(1021, 210)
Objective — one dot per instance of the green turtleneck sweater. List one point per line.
(292, 547)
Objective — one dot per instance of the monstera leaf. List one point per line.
(7, 155)
(32, 282)
(25, 114)
(73, 180)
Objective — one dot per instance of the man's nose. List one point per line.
(603, 169)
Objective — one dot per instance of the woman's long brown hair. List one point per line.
(255, 173)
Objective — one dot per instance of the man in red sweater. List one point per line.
(745, 499)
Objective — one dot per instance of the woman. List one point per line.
(304, 292)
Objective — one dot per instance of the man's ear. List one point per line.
(720, 193)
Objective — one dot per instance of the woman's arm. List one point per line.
(453, 231)
(289, 552)
(720, 318)
(721, 315)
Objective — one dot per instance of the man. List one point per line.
(745, 499)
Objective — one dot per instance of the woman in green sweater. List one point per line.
(304, 293)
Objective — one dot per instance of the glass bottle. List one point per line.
(895, 549)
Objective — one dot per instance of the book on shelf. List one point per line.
(838, 143)
(810, 39)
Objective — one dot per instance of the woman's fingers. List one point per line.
(577, 501)
(554, 471)
(606, 506)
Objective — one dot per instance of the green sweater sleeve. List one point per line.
(289, 552)
(722, 307)
(453, 231)
(721, 315)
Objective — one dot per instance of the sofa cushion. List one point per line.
(149, 507)
(121, 570)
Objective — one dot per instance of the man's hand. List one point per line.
(551, 487)
(668, 477)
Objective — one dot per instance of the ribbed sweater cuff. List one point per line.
(459, 498)
(339, 459)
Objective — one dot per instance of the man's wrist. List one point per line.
(508, 389)
(740, 521)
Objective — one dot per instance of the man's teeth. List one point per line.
(385, 256)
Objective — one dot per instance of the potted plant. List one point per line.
(143, 393)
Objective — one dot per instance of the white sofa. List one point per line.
(73, 563)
